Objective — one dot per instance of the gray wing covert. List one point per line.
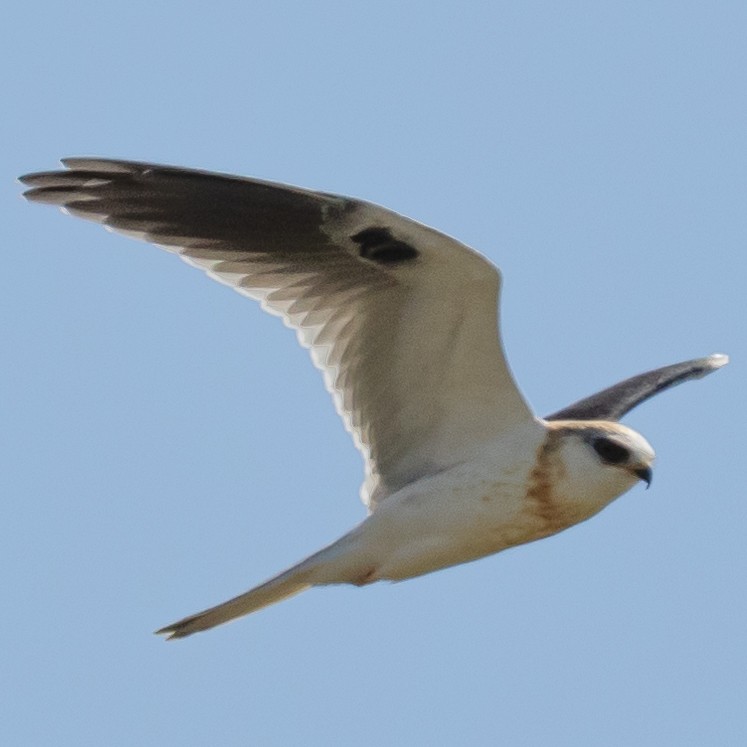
(401, 319)
(615, 401)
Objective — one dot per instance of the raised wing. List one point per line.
(612, 403)
(401, 319)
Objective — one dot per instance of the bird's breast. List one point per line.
(450, 523)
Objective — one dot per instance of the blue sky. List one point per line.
(167, 445)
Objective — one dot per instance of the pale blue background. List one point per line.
(166, 445)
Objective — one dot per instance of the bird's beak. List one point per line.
(645, 474)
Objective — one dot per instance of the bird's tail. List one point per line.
(286, 584)
(338, 563)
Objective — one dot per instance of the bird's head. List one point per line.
(593, 462)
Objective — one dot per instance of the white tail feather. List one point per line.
(288, 583)
(339, 563)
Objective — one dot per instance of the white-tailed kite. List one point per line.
(402, 320)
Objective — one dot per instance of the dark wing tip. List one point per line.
(82, 163)
(54, 187)
(615, 401)
(112, 165)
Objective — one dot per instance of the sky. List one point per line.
(166, 445)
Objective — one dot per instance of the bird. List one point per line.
(403, 322)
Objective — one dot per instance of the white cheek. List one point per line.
(587, 481)
(624, 479)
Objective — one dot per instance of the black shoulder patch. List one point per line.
(378, 245)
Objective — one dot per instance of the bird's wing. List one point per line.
(612, 403)
(401, 319)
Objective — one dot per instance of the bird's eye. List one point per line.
(610, 452)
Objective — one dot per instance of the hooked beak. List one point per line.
(645, 474)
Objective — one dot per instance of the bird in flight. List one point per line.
(403, 322)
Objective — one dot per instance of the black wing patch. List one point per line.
(378, 245)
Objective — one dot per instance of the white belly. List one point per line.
(506, 495)
(451, 518)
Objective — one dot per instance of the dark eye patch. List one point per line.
(378, 245)
(609, 451)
